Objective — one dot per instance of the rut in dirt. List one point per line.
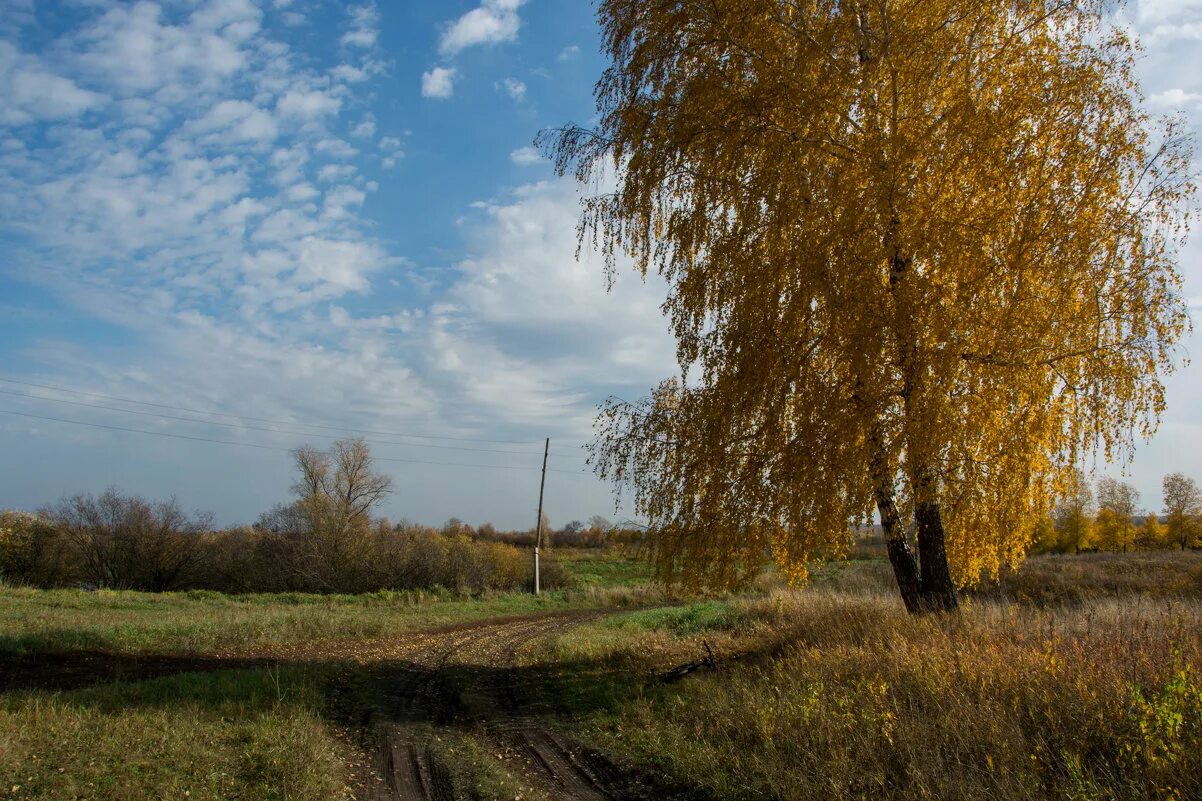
(424, 691)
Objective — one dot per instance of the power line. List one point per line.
(254, 428)
(267, 447)
(265, 419)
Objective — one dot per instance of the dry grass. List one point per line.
(837, 693)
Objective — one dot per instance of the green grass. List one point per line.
(603, 568)
(212, 623)
(230, 734)
(683, 621)
(476, 771)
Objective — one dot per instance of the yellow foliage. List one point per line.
(916, 250)
(1153, 534)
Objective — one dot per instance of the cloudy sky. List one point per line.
(268, 223)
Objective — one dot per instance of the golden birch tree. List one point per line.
(1074, 515)
(1153, 535)
(918, 254)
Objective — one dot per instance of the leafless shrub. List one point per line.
(124, 541)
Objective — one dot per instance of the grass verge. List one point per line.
(252, 734)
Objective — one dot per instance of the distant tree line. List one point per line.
(326, 539)
(1109, 519)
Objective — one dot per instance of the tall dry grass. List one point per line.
(836, 693)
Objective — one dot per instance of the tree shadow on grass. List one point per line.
(530, 706)
(56, 671)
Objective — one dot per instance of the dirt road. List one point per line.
(425, 688)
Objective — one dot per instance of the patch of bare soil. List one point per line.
(424, 688)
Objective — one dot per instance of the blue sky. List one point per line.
(315, 213)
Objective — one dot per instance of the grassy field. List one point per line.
(202, 622)
(1077, 677)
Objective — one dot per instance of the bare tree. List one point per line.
(336, 492)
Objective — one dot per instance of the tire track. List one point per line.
(425, 689)
(407, 767)
(565, 768)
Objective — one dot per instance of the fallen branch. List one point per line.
(679, 672)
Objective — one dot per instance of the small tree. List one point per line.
(597, 533)
(1182, 505)
(545, 523)
(336, 493)
(454, 527)
(1074, 515)
(1153, 535)
(1117, 504)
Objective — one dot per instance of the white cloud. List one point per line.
(366, 127)
(331, 173)
(340, 201)
(1161, 22)
(301, 192)
(238, 120)
(364, 27)
(438, 82)
(16, 14)
(335, 148)
(1158, 11)
(1175, 98)
(32, 92)
(203, 215)
(339, 264)
(514, 88)
(131, 48)
(168, 201)
(302, 104)
(236, 19)
(529, 332)
(494, 21)
(525, 155)
(349, 74)
(568, 53)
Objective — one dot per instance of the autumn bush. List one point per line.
(32, 550)
(117, 541)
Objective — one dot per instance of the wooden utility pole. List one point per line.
(538, 536)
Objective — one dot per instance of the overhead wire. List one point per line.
(256, 428)
(277, 448)
(346, 429)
